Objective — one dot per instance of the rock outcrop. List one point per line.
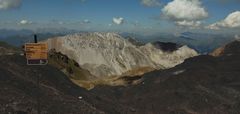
(229, 49)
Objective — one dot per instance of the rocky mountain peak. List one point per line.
(229, 49)
(109, 54)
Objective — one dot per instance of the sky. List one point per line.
(136, 16)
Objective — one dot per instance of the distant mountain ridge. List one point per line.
(21, 36)
(201, 42)
(5, 33)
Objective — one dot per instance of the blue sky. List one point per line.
(147, 16)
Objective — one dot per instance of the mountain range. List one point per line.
(201, 42)
(110, 56)
(19, 37)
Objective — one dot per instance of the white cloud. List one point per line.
(191, 24)
(185, 10)
(231, 21)
(25, 22)
(60, 22)
(150, 3)
(118, 20)
(9, 4)
(188, 13)
(213, 26)
(86, 21)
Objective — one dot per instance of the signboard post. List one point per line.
(36, 53)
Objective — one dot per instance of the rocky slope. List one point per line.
(109, 54)
(227, 49)
(6, 49)
(19, 91)
(201, 85)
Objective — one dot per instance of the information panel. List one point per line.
(36, 53)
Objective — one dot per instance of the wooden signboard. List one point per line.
(36, 53)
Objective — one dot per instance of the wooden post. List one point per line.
(38, 82)
(35, 38)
